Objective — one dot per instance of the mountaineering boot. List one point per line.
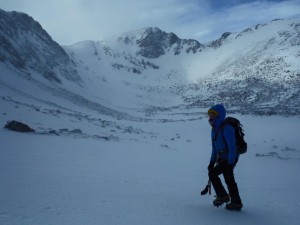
(234, 206)
(221, 200)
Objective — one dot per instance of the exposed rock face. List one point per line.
(155, 42)
(18, 126)
(217, 43)
(24, 44)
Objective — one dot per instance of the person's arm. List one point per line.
(213, 156)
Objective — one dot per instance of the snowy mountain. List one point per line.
(25, 45)
(153, 72)
(259, 64)
(121, 130)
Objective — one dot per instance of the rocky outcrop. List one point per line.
(25, 45)
(18, 126)
(155, 43)
(217, 43)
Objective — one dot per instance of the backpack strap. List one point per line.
(224, 140)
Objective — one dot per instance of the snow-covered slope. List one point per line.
(27, 47)
(146, 178)
(255, 71)
(148, 72)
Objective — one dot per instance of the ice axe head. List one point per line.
(207, 189)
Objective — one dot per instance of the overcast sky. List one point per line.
(71, 21)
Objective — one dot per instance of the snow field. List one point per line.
(66, 180)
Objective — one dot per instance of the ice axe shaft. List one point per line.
(207, 189)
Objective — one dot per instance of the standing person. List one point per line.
(223, 160)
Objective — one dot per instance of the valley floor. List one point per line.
(69, 180)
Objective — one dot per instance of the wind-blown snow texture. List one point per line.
(147, 178)
(122, 136)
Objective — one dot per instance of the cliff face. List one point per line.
(27, 46)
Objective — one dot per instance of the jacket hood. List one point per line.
(220, 109)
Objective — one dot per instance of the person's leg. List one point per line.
(216, 181)
(232, 185)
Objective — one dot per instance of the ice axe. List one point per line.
(207, 189)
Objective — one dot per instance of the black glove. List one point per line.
(211, 165)
(230, 166)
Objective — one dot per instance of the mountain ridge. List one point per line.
(23, 41)
(149, 72)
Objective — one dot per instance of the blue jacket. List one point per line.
(228, 135)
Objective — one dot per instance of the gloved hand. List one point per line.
(211, 165)
(230, 166)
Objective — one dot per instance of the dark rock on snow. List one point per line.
(18, 126)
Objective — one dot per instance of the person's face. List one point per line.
(212, 118)
(212, 115)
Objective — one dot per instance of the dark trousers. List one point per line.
(227, 171)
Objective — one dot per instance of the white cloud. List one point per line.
(70, 21)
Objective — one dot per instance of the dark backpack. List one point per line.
(241, 145)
